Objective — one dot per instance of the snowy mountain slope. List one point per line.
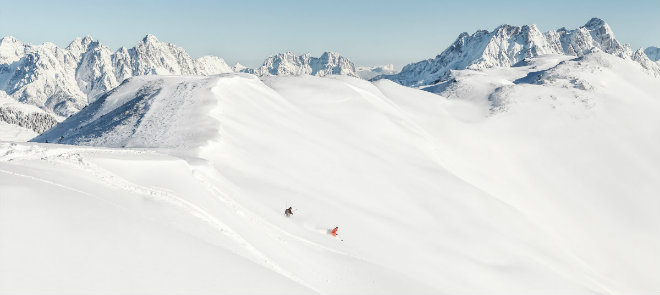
(289, 64)
(212, 65)
(368, 72)
(519, 190)
(476, 86)
(145, 111)
(85, 220)
(21, 122)
(508, 45)
(15, 133)
(65, 80)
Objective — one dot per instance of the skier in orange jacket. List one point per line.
(334, 231)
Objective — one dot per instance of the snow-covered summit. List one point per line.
(63, 81)
(508, 45)
(238, 67)
(11, 49)
(80, 45)
(290, 64)
(368, 72)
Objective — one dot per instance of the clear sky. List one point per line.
(367, 32)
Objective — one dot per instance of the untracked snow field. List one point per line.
(545, 180)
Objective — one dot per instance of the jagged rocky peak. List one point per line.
(10, 42)
(368, 72)
(65, 80)
(150, 39)
(211, 65)
(238, 67)
(596, 23)
(508, 45)
(10, 39)
(288, 64)
(80, 46)
(152, 57)
(11, 50)
(80, 43)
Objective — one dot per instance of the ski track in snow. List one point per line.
(254, 218)
(369, 152)
(76, 160)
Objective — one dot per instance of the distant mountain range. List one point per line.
(329, 63)
(64, 80)
(508, 45)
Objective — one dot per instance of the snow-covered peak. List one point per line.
(150, 38)
(80, 45)
(508, 45)
(10, 39)
(595, 23)
(290, 64)
(212, 65)
(65, 80)
(80, 42)
(368, 72)
(380, 68)
(238, 67)
(10, 42)
(152, 57)
(11, 50)
(330, 55)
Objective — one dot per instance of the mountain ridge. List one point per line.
(290, 64)
(64, 80)
(507, 45)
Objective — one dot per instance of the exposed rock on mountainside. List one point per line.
(289, 64)
(366, 72)
(508, 45)
(65, 80)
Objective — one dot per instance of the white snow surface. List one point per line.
(544, 181)
(15, 133)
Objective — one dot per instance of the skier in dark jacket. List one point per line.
(288, 212)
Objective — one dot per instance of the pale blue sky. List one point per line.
(367, 32)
